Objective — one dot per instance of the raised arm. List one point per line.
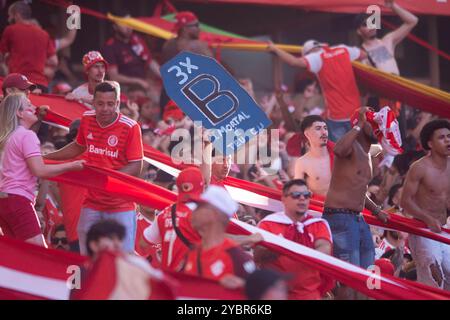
(344, 147)
(409, 22)
(287, 57)
(408, 200)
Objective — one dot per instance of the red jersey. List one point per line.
(29, 47)
(173, 248)
(225, 259)
(112, 147)
(334, 70)
(307, 283)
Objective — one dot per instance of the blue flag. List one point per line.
(206, 92)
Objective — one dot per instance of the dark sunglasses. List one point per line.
(55, 241)
(298, 194)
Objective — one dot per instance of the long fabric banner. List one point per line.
(431, 7)
(29, 272)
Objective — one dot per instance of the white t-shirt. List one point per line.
(82, 95)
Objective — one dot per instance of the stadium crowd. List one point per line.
(329, 149)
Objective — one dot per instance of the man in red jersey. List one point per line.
(177, 238)
(217, 257)
(26, 47)
(111, 141)
(333, 68)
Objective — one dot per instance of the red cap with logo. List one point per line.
(19, 81)
(91, 58)
(183, 18)
(190, 184)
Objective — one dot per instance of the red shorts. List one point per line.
(18, 219)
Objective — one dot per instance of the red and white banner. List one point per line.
(29, 272)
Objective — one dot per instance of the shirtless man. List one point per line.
(314, 166)
(188, 39)
(381, 52)
(346, 198)
(426, 196)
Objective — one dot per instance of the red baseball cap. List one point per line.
(91, 58)
(19, 81)
(183, 18)
(190, 184)
(385, 265)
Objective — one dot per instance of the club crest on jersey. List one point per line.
(112, 141)
(187, 187)
(217, 268)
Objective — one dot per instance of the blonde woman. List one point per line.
(22, 165)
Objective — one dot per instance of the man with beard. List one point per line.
(188, 39)
(346, 198)
(426, 196)
(315, 165)
(128, 56)
(94, 68)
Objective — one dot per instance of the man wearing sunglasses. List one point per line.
(59, 239)
(298, 225)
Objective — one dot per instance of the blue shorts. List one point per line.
(352, 239)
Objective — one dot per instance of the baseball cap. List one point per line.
(183, 18)
(310, 45)
(190, 184)
(19, 81)
(259, 281)
(385, 265)
(219, 198)
(91, 58)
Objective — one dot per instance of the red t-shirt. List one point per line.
(29, 47)
(306, 283)
(334, 70)
(173, 249)
(219, 261)
(112, 147)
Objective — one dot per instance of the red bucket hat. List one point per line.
(91, 58)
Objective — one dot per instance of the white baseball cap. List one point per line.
(219, 198)
(310, 45)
